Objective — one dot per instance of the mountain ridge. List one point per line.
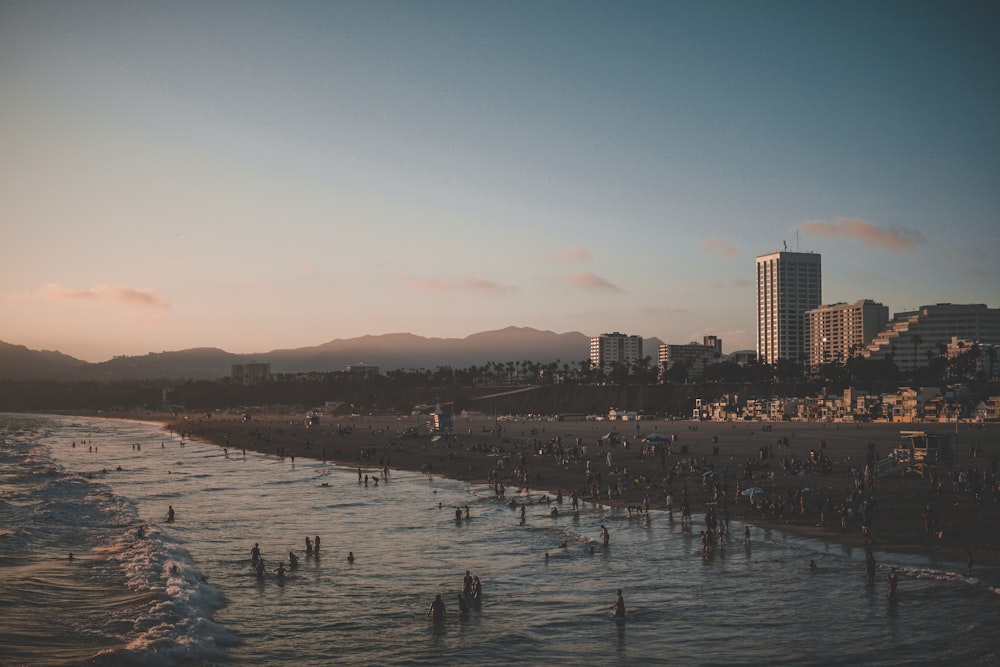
(391, 351)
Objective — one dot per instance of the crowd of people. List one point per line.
(470, 597)
(312, 551)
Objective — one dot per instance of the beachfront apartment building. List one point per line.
(609, 350)
(694, 356)
(839, 331)
(911, 339)
(905, 405)
(788, 285)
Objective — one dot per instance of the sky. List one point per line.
(263, 175)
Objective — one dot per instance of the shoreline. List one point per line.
(473, 451)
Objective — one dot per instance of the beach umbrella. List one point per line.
(752, 490)
(610, 435)
(656, 437)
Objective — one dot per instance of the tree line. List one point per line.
(401, 389)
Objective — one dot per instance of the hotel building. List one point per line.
(696, 357)
(254, 373)
(911, 339)
(609, 349)
(840, 331)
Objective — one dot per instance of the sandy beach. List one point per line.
(557, 457)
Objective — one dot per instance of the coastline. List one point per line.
(473, 450)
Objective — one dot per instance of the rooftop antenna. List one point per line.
(785, 243)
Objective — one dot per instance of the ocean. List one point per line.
(141, 590)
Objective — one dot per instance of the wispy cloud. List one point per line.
(870, 234)
(590, 281)
(128, 296)
(719, 248)
(575, 254)
(466, 284)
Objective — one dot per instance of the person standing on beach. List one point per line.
(170, 513)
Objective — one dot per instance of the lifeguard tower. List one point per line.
(923, 450)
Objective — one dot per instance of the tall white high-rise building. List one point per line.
(788, 284)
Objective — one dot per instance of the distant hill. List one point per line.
(19, 363)
(388, 352)
(201, 363)
(404, 350)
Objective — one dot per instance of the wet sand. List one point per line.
(476, 446)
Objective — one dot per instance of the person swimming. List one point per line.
(170, 514)
(293, 560)
(350, 556)
(255, 552)
(463, 608)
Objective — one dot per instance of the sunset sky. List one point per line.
(261, 175)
